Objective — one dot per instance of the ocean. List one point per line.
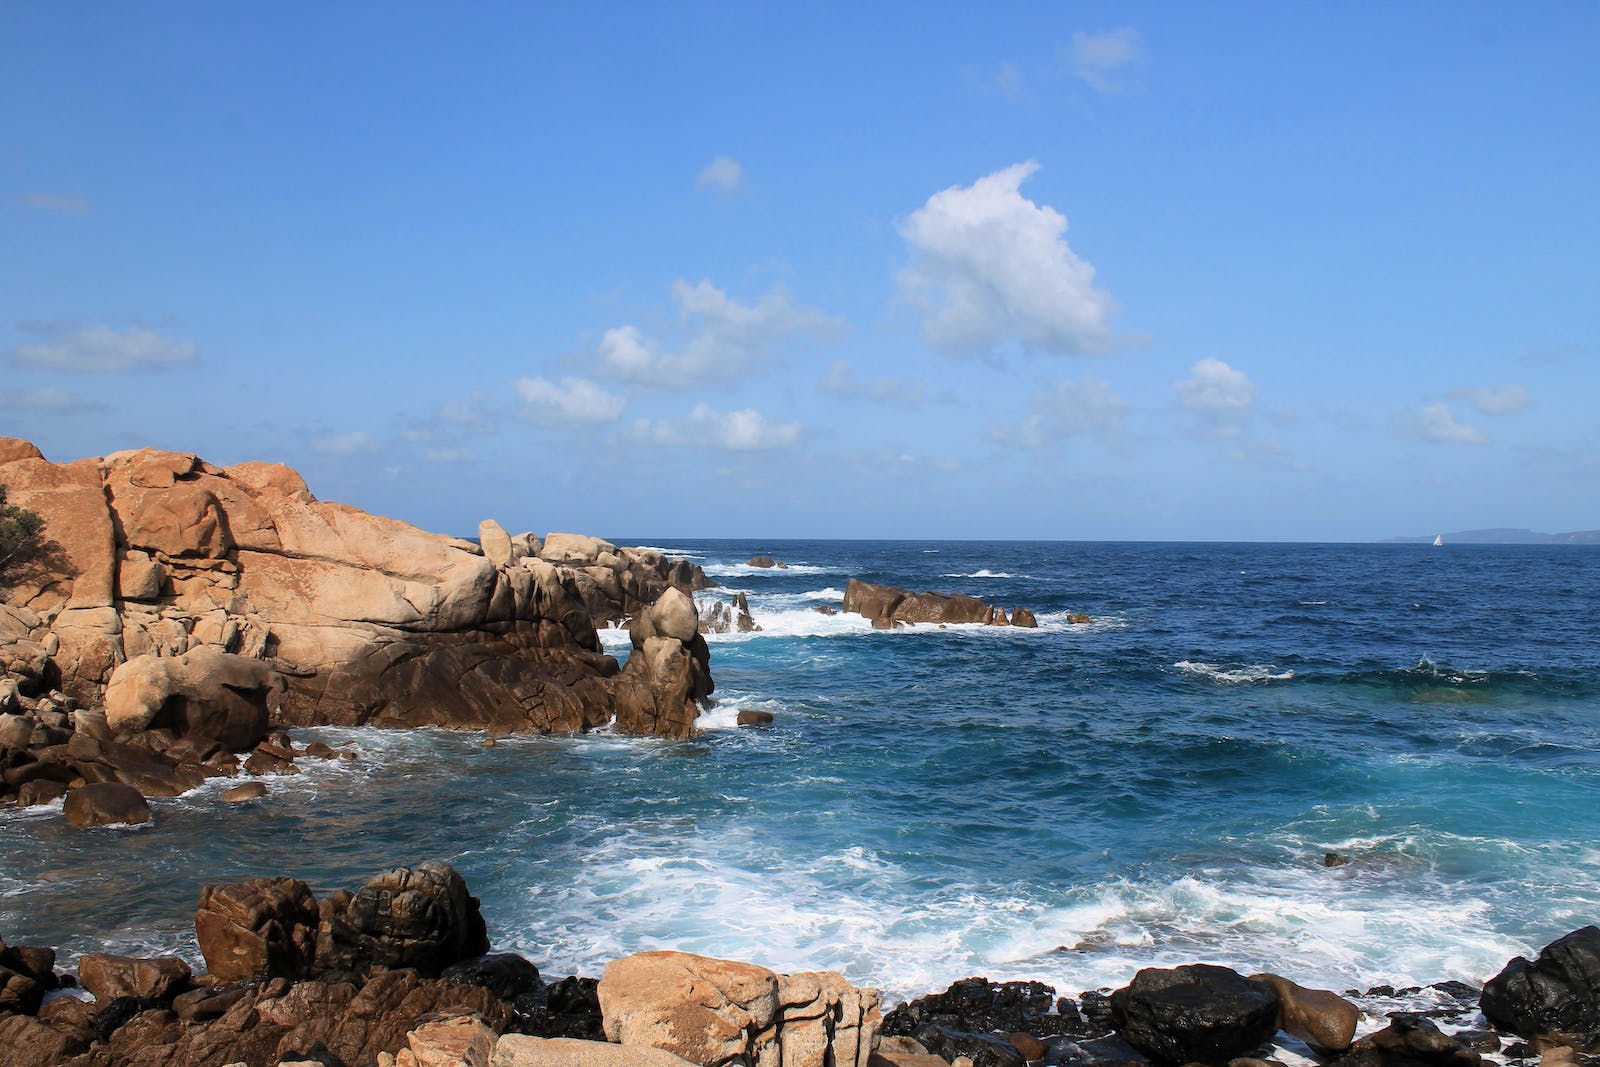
(1156, 786)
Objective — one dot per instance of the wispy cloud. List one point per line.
(721, 338)
(989, 265)
(746, 430)
(571, 402)
(1499, 400)
(349, 443)
(1438, 424)
(1086, 408)
(55, 203)
(1106, 62)
(723, 176)
(840, 380)
(99, 349)
(46, 401)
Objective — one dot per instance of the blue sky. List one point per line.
(1081, 271)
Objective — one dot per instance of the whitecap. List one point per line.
(1247, 675)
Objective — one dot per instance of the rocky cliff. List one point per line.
(367, 619)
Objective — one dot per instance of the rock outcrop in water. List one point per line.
(180, 608)
(887, 607)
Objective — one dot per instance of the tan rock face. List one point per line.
(109, 977)
(519, 1050)
(716, 1012)
(160, 554)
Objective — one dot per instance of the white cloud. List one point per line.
(51, 401)
(1086, 408)
(1105, 61)
(746, 430)
(840, 380)
(55, 203)
(67, 346)
(350, 443)
(1222, 397)
(449, 456)
(722, 176)
(574, 402)
(989, 264)
(1500, 400)
(1437, 423)
(722, 338)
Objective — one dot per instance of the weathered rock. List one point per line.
(751, 717)
(1560, 991)
(495, 542)
(368, 620)
(1024, 618)
(520, 1050)
(886, 606)
(715, 1012)
(205, 692)
(105, 804)
(420, 917)
(244, 791)
(264, 927)
(1194, 1013)
(20, 994)
(109, 977)
(1409, 1041)
(451, 1041)
(1319, 1017)
(32, 1042)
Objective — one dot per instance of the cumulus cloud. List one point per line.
(722, 339)
(1086, 408)
(989, 265)
(67, 346)
(55, 203)
(45, 401)
(1437, 423)
(746, 430)
(572, 402)
(1107, 61)
(350, 443)
(1223, 398)
(840, 380)
(722, 176)
(1500, 400)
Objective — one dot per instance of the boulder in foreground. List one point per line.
(1558, 992)
(106, 804)
(1196, 1013)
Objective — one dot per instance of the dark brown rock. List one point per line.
(1197, 1013)
(421, 917)
(40, 791)
(105, 804)
(1409, 1041)
(1024, 618)
(267, 926)
(748, 717)
(30, 1042)
(109, 977)
(20, 994)
(244, 791)
(1560, 991)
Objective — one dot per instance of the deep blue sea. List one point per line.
(1067, 804)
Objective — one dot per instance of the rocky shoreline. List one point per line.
(181, 615)
(400, 972)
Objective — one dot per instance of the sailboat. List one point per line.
(1438, 540)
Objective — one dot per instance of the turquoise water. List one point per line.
(1066, 804)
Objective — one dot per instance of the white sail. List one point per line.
(1438, 540)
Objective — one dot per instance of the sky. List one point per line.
(1082, 271)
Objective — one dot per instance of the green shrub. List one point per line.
(21, 536)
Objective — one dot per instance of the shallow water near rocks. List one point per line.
(1068, 804)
